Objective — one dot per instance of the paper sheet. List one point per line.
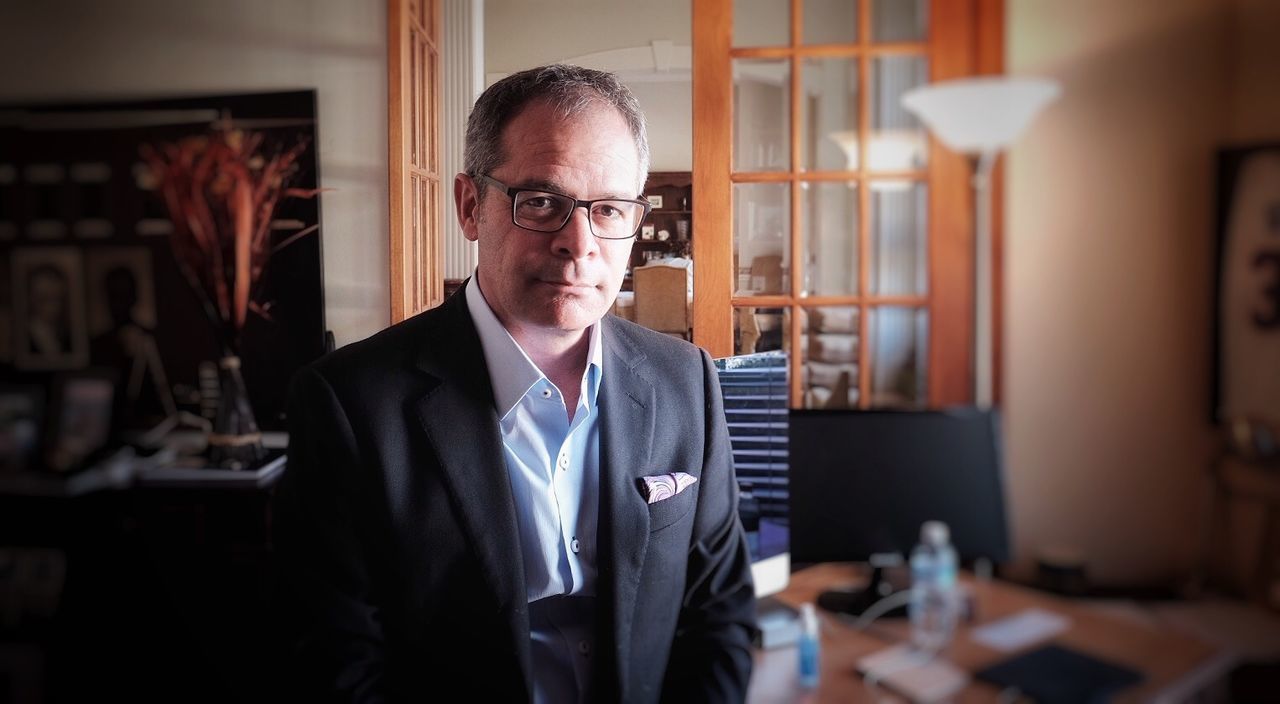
(1020, 630)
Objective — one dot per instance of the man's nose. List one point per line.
(575, 239)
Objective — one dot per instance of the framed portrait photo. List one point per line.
(50, 332)
(655, 201)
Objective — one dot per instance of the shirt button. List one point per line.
(575, 546)
(584, 647)
(546, 393)
(564, 462)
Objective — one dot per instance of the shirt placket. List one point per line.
(568, 481)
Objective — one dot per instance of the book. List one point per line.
(1058, 675)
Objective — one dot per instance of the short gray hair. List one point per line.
(569, 90)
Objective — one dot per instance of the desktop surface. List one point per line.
(1164, 657)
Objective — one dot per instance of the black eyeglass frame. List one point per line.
(513, 191)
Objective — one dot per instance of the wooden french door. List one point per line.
(831, 227)
(413, 67)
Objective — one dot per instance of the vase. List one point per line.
(235, 441)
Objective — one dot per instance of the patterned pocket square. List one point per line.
(665, 486)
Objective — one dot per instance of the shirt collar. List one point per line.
(511, 372)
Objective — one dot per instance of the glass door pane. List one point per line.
(898, 140)
(760, 329)
(829, 115)
(899, 20)
(761, 23)
(829, 222)
(899, 238)
(762, 238)
(761, 115)
(829, 347)
(830, 21)
(898, 348)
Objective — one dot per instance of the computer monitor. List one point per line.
(863, 482)
(755, 390)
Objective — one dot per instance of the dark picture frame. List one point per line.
(1246, 334)
(50, 332)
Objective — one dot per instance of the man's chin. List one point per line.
(567, 314)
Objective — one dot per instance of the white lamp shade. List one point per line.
(977, 115)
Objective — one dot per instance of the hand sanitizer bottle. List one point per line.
(810, 647)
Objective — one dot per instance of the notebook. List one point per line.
(1057, 675)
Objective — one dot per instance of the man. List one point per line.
(515, 496)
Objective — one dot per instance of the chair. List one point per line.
(661, 294)
(766, 274)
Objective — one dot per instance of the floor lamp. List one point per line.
(979, 118)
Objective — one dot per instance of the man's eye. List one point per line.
(605, 210)
(539, 203)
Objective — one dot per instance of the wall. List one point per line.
(1109, 264)
(516, 39)
(1255, 71)
(59, 49)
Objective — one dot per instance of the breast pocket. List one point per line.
(668, 511)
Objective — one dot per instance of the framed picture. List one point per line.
(80, 417)
(1247, 319)
(48, 309)
(646, 232)
(655, 201)
(121, 289)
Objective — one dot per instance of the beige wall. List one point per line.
(61, 49)
(520, 34)
(516, 39)
(1109, 267)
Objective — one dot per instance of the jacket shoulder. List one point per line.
(397, 347)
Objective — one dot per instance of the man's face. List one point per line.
(552, 282)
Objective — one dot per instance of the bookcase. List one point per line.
(671, 192)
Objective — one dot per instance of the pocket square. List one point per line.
(665, 486)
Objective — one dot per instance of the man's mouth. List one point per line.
(566, 284)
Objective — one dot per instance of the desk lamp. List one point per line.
(979, 118)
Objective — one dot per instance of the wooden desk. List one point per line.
(1163, 656)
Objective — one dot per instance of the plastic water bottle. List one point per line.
(934, 599)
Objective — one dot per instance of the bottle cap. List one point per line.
(935, 533)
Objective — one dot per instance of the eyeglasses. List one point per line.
(548, 211)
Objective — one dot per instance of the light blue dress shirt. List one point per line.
(554, 468)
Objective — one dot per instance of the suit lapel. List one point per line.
(627, 423)
(458, 420)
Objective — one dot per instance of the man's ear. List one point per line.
(467, 200)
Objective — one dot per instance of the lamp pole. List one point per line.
(983, 284)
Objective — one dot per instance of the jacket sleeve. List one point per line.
(323, 586)
(711, 654)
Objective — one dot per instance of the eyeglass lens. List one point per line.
(548, 212)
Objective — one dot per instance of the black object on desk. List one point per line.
(1057, 675)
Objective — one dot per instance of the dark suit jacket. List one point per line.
(396, 526)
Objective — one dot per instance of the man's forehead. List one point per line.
(541, 129)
